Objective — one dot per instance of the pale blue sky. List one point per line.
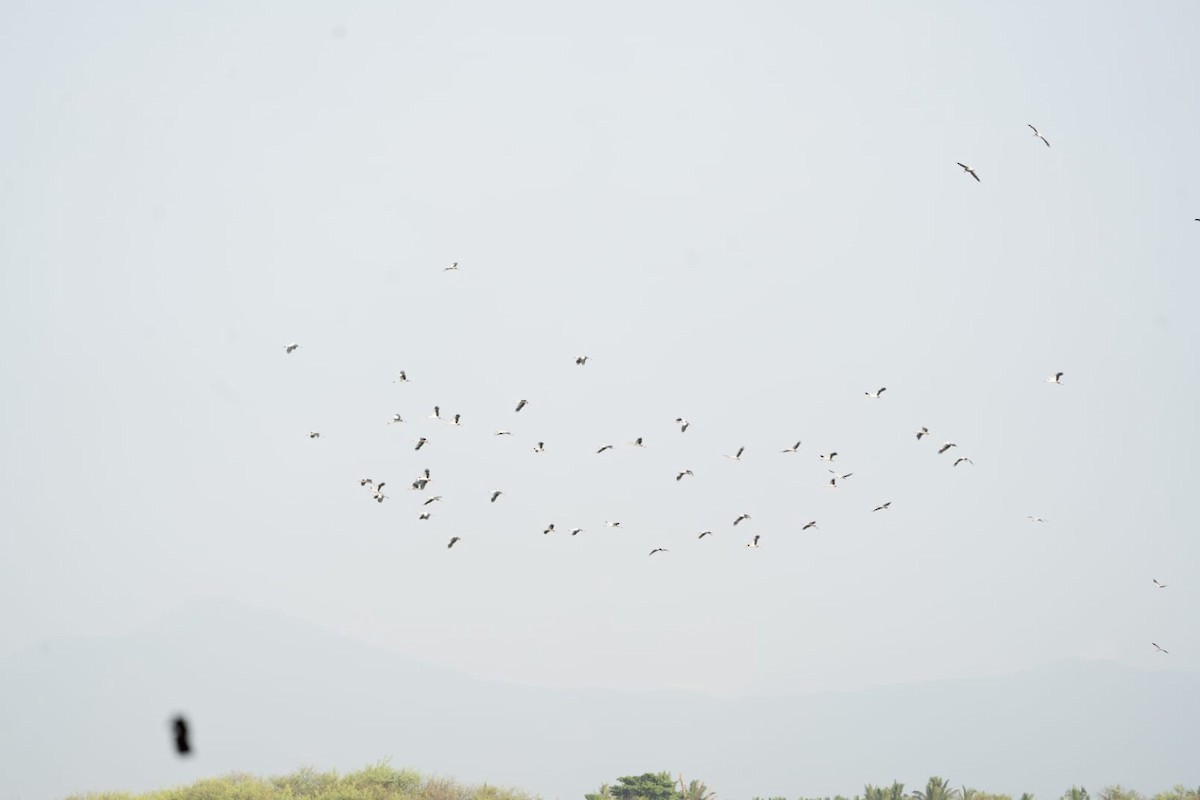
(747, 214)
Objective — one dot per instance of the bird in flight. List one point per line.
(682, 423)
(502, 433)
(1038, 135)
(637, 442)
(581, 360)
(403, 378)
(522, 404)
(457, 420)
(612, 524)
(736, 456)
(841, 477)
(740, 518)
(1036, 519)
(1056, 378)
(437, 413)
(425, 515)
(812, 524)
(549, 528)
(395, 418)
(830, 456)
(1159, 585)
(703, 534)
(876, 394)
(183, 745)
(602, 449)
(679, 477)
(576, 530)
(883, 507)
(792, 449)
(290, 348)
(420, 443)
(968, 170)
(314, 434)
(1159, 649)
(496, 494)
(962, 459)
(365, 481)
(832, 483)
(540, 447)
(946, 446)
(658, 550)
(433, 499)
(922, 431)
(453, 539)
(452, 266)
(379, 496)
(755, 542)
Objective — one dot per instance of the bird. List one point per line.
(792, 449)
(637, 442)
(658, 550)
(812, 524)
(968, 170)
(682, 423)
(402, 378)
(612, 524)
(314, 434)
(740, 518)
(452, 266)
(290, 348)
(549, 528)
(420, 443)
(183, 744)
(1159, 649)
(1038, 135)
(606, 447)
(1159, 585)
(679, 477)
(736, 456)
(379, 497)
(425, 515)
(832, 483)
(755, 542)
(961, 459)
(456, 421)
(946, 446)
(883, 507)
(703, 534)
(830, 456)
(1036, 519)
(379, 487)
(437, 413)
(922, 431)
(841, 477)
(496, 494)
(522, 404)
(395, 418)
(419, 484)
(453, 539)
(502, 433)
(576, 530)
(581, 360)
(364, 481)
(876, 394)
(1056, 378)
(433, 499)
(540, 447)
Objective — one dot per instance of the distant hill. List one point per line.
(267, 694)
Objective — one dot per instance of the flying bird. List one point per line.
(549, 528)
(1036, 519)
(1038, 135)
(961, 459)
(437, 413)
(637, 442)
(395, 418)
(420, 443)
(679, 477)
(740, 518)
(658, 550)
(581, 360)
(876, 393)
(703, 534)
(447, 269)
(1159, 649)
(457, 419)
(606, 447)
(540, 448)
(425, 515)
(792, 449)
(922, 431)
(1056, 378)
(682, 423)
(364, 481)
(502, 433)
(382, 484)
(755, 542)
(453, 539)
(832, 483)
(812, 524)
(883, 507)
(496, 494)
(403, 378)
(968, 170)
(576, 530)
(183, 744)
(433, 499)
(290, 348)
(420, 483)
(1159, 585)
(314, 434)
(830, 456)
(841, 477)
(522, 404)
(946, 446)
(379, 497)
(612, 524)
(738, 455)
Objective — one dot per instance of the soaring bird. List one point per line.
(379, 497)
(792, 449)
(1036, 519)
(832, 483)
(380, 485)
(679, 477)
(876, 393)
(1056, 378)
(420, 443)
(395, 419)
(496, 494)
(812, 524)
(183, 745)
(1159, 649)
(365, 481)
(612, 524)
(755, 542)
(453, 539)
(522, 404)
(883, 507)
(968, 170)
(314, 434)
(738, 455)
(1159, 585)
(549, 528)
(402, 378)
(682, 423)
(425, 515)
(290, 348)
(637, 442)
(433, 499)
(830, 456)
(437, 413)
(606, 447)
(457, 420)
(922, 431)
(962, 459)
(703, 534)
(658, 550)
(841, 477)
(452, 266)
(502, 433)
(740, 518)
(581, 360)
(946, 446)
(540, 447)
(575, 531)
(1038, 135)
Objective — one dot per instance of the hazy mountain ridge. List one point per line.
(267, 693)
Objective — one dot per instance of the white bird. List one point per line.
(581, 360)
(1038, 135)
(968, 170)
(437, 413)
(736, 456)
(606, 447)
(946, 446)
(841, 477)
(457, 420)
(522, 404)
(314, 434)
(830, 456)
(420, 443)
(682, 423)
(576, 530)
(496, 494)
(755, 542)
(425, 515)
(379, 497)
(380, 485)
(365, 481)
(1159, 649)
(452, 266)
(433, 499)
(961, 459)
(812, 524)
(740, 518)
(922, 431)
(549, 528)
(876, 394)
(658, 550)
(1036, 519)
(290, 348)
(792, 449)
(395, 419)
(1159, 585)
(832, 483)
(703, 534)
(540, 448)
(637, 442)
(502, 433)
(883, 507)
(679, 477)
(612, 524)
(403, 378)
(453, 539)
(1056, 378)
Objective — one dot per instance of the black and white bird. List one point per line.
(688, 472)
(549, 528)
(420, 483)
(812, 524)
(612, 524)
(522, 404)
(575, 531)
(1037, 135)
(792, 449)
(755, 542)
(502, 433)
(314, 434)
(922, 431)
(379, 497)
(1056, 379)
(968, 170)
(425, 515)
(842, 476)
(457, 420)
(453, 539)
(741, 517)
(496, 494)
(605, 447)
(883, 507)
(420, 443)
(876, 393)
(658, 550)
(380, 485)
(437, 413)
(183, 744)
(1159, 585)
(452, 266)
(396, 418)
(540, 447)
(1035, 519)
(682, 423)
(637, 442)
(401, 378)
(1159, 649)
(290, 348)
(963, 459)
(946, 446)
(581, 360)
(433, 499)
(832, 483)
(703, 534)
(829, 456)
(365, 481)
(736, 456)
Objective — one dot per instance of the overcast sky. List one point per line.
(746, 214)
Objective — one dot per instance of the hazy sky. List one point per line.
(746, 214)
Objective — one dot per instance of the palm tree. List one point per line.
(895, 791)
(1076, 793)
(696, 790)
(937, 788)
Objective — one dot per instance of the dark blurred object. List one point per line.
(182, 745)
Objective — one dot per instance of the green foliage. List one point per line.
(938, 789)
(1119, 792)
(1075, 793)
